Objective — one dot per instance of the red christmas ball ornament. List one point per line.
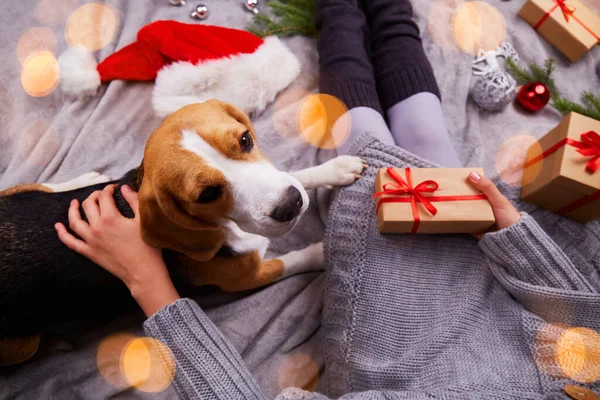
(533, 96)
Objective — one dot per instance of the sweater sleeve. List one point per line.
(538, 274)
(209, 368)
(526, 252)
(207, 365)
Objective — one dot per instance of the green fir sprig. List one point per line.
(589, 108)
(286, 18)
(535, 73)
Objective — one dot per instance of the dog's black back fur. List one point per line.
(41, 280)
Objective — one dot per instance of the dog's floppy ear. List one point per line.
(235, 112)
(165, 224)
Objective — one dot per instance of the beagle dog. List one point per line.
(207, 196)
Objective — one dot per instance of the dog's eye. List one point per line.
(246, 142)
(210, 193)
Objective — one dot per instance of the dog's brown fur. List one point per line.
(169, 181)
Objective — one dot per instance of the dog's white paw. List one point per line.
(344, 170)
(87, 179)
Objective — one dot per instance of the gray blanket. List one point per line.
(276, 329)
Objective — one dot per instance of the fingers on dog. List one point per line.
(69, 240)
(90, 207)
(132, 199)
(76, 223)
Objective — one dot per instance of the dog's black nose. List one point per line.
(290, 207)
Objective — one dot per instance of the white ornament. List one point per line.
(251, 5)
(200, 12)
(494, 91)
(177, 3)
(490, 58)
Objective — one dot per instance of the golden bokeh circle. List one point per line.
(544, 349)
(477, 25)
(108, 358)
(39, 143)
(52, 12)
(148, 364)
(92, 25)
(35, 40)
(323, 121)
(299, 370)
(577, 353)
(439, 22)
(512, 156)
(40, 74)
(285, 111)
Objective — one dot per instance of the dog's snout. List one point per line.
(290, 207)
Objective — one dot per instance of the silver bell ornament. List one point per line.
(177, 3)
(200, 12)
(251, 5)
(494, 91)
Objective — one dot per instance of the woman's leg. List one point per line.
(406, 84)
(345, 68)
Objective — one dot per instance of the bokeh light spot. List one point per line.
(439, 22)
(323, 121)
(544, 349)
(35, 40)
(39, 143)
(148, 364)
(40, 74)
(477, 25)
(92, 25)
(54, 11)
(511, 158)
(299, 370)
(285, 110)
(561, 351)
(108, 358)
(578, 354)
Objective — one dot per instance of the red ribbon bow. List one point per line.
(590, 147)
(567, 11)
(402, 187)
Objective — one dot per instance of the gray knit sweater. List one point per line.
(420, 316)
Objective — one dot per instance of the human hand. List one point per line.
(114, 242)
(506, 214)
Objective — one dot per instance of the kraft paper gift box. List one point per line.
(568, 24)
(562, 171)
(430, 200)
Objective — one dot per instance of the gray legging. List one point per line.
(371, 58)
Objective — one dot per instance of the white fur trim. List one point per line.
(248, 81)
(78, 74)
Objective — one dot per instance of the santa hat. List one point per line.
(191, 63)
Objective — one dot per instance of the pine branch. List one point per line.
(549, 68)
(538, 73)
(591, 99)
(520, 74)
(290, 17)
(565, 106)
(591, 106)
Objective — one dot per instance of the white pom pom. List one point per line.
(79, 76)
